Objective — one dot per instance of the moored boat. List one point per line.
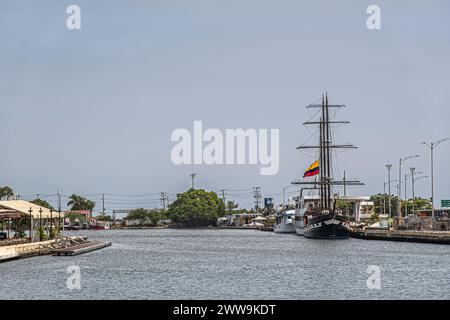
(322, 220)
(284, 222)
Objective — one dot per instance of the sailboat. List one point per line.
(323, 220)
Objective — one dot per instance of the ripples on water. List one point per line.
(232, 264)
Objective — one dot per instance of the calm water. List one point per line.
(232, 264)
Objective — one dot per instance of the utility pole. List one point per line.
(103, 204)
(164, 197)
(224, 198)
(431, 146)
(384, 197)
(257, 196)
(345, 186)
(413, 170)
(193, 180)
(222, 191)
(389, 167)
(406, 197)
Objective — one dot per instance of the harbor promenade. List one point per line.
(437, 237)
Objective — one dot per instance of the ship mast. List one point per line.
(325, 146)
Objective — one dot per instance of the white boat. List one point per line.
(299, 222)
(303, 203)
(285, 222)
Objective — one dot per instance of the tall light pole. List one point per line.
(400, 162)
(413, 171)
(390, 202)
(389, 167)
(431, 146)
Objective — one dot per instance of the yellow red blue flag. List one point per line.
(313, 169)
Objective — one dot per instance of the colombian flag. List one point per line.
(312, 170)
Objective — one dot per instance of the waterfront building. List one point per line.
(40, 218)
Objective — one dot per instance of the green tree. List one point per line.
(146, 216)
(6, 192)
(77, 203)
(103, 217)
(231, 206)
(138, 214)
(416, 204)
(20, 225)
(43, 203)
(379, 201)
(154, 216)
(196, 208)
(72, 216)
(343, 205)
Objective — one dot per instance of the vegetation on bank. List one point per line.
(147, 217)
(381, 203)
(196, 208)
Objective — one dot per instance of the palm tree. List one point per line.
(231, 205)
(6, 192)
(77, 203)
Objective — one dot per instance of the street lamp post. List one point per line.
(400, 162)
(431, 146)
(413, 171)
(389, 167)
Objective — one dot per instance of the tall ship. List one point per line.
(319, 218)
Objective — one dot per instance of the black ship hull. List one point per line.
(327, 227)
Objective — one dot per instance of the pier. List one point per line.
(437, 237)
(66, 246)
(81, 248)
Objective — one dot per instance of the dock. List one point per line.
(81, 248)
(437, 237)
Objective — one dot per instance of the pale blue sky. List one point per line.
(91, 111)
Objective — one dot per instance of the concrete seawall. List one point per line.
(437, 237)
(23, 250)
